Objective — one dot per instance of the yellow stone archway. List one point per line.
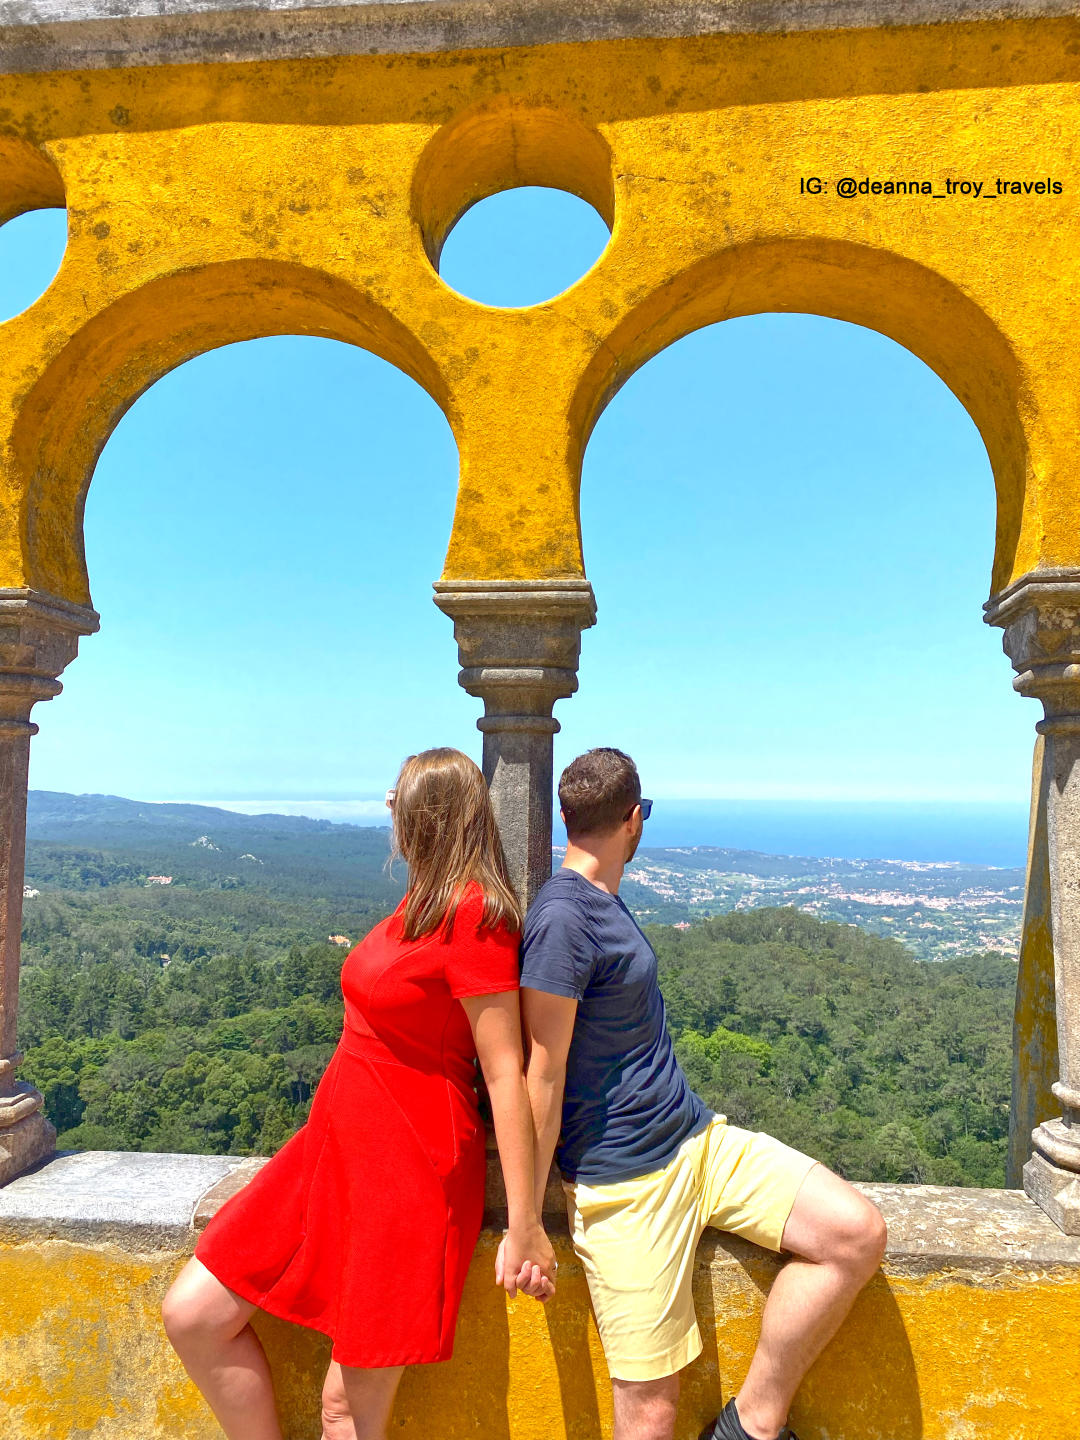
(295, 168)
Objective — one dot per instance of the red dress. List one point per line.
(364, 1223)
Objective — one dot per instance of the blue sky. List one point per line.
(788, 523)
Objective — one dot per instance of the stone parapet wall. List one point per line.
(42, 35)
(964, 1333)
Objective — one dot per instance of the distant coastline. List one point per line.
(966, 833)
(939, 908)
(971, 833)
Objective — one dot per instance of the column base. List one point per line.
(26, 1137)
(1055, 1191)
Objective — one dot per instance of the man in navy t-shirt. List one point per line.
(645, 1164)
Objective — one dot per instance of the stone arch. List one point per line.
(68, 415)
(28, 179)
(917, 307)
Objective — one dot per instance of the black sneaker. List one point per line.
(727, 1426)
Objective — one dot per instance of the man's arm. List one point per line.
(548, 1026)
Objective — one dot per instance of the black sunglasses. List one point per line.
(646, 809)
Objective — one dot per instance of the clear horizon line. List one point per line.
(377, 801)
(372, 804)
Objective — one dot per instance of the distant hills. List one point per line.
(91, 819)
(86, 842)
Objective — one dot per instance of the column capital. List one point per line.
(518, 643)
(39, 636)
(1040, 616)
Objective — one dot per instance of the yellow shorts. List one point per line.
(637, 1239)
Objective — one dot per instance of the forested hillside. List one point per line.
(88, 842)
(198, 1016)
(840, 1043)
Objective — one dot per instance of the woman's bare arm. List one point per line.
(526, 1257)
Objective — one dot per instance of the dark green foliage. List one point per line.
(841, 1044)
(200, 1016)
(215, 1055)
(197, 1016)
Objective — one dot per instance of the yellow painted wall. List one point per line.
(943, 1356)
(213, 203)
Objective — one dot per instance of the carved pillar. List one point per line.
(518, 644)
(39, 635)
(1040, 614)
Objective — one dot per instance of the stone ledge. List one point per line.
(936, 1227)
(138, 1200)
(225, 1188)
(52, 35)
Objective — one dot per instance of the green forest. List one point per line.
(199, 1016)
(840, 1043)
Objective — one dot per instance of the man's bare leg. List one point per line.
(645, 1409)
(837, 1238)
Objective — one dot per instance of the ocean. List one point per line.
(976, 834)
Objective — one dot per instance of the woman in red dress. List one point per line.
(363, 1225)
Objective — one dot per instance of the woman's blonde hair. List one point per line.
(444, 828)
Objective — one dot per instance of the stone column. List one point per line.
(38, 636)
(518, 644)
(1035, 1047)
(1040, 614)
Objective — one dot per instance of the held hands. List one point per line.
(526, 1262)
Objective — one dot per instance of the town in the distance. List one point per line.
(936, 909)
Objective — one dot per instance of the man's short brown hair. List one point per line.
(597, 791)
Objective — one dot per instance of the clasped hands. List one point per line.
(525, 1261)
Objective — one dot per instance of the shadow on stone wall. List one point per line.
(865, 1385)
(470, 1392)
(882, 1403)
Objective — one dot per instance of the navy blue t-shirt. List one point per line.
(627, 1106)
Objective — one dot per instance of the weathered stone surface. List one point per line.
(133, 1200)
(39, 635)
(1035, 1045)
(936, 1226)
(88, 34)
(26, 1137)
(98, 1195)
(954, 1338)
(1054, 1188)
(225, 1188)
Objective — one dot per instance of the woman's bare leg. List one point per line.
(207, 1325)
(356, 1403)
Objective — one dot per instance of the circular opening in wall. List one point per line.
(514, 201)
(522, 246)
(31, 251)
